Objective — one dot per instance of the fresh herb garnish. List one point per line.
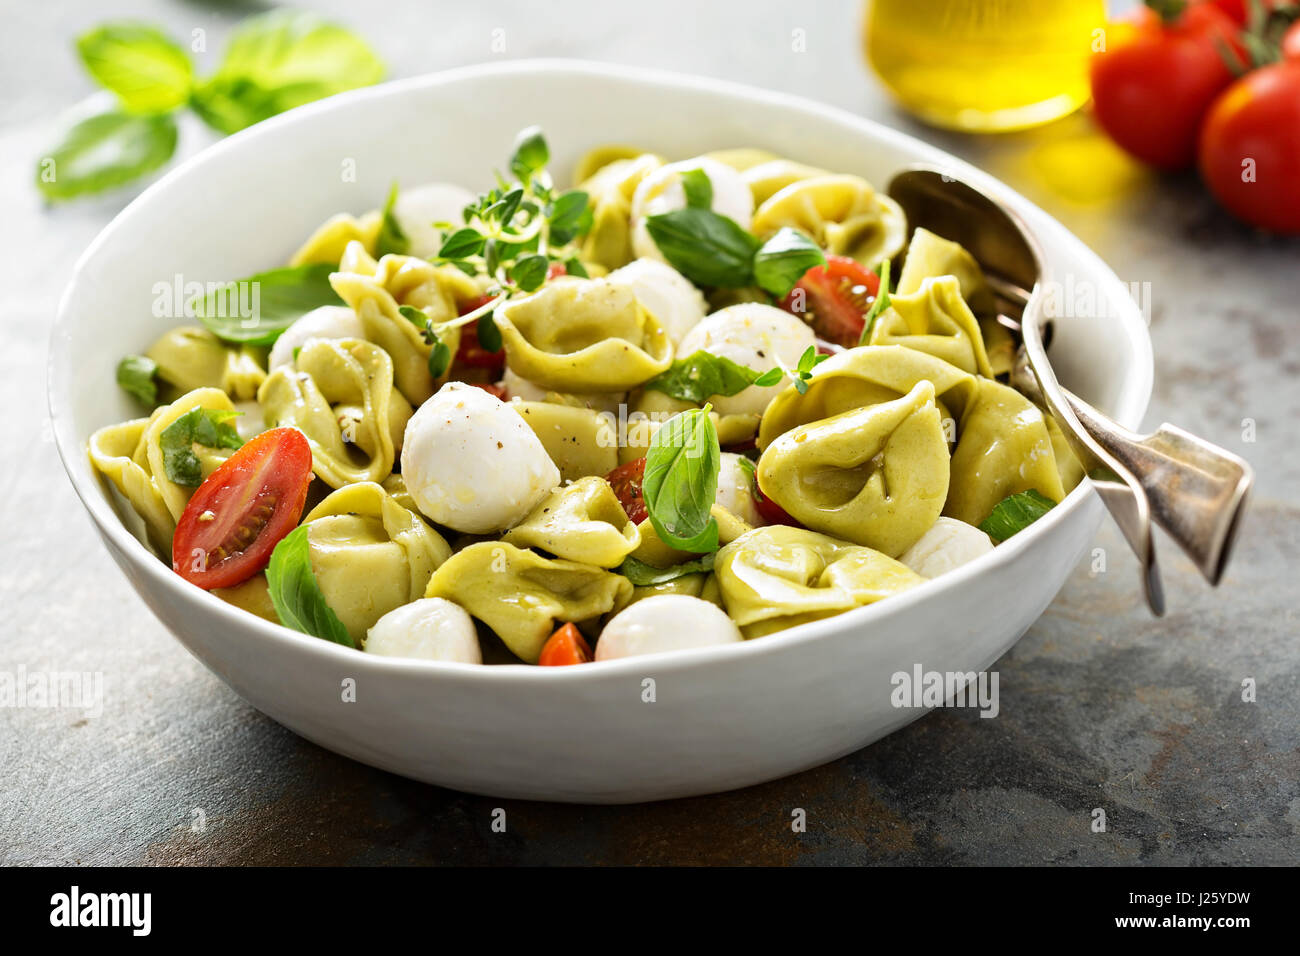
(703, 374)
(802, 373)
(295, 593)
(698, 189)
(681, 481)
(489, 335)
(256, 310)
(199, 426)
(1015, 513)
(148, 71)
(105, 151)
(782, 261)
(137, 374)
(392, 240)
(646, 575)
(707, 248)
(440, 356)
(878, 305)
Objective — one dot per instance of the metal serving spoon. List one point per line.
(1196, 491)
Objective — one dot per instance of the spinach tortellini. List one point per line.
(931, 256)
(326, 245)
(608, 243)
(842, 214)
(340, 394)
(876, 476)
(935, 319)
(118, 453)
(520, 595)
(776, 577)
(370, 555)
(190, 357)
(581, 441)
(583, 521)
(583, 335)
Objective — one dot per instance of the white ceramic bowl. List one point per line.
(721, 717)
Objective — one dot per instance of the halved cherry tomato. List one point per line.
(469, 352)
(555, 270)
(834, 299)
(772, 512)
(239, 514)
(626, 482)
(493, 388)
(565, 646)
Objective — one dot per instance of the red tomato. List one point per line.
(555, 270)
(239, 514)
(1239, 10)
(1250, 148)
(834, 298)
(469, 352)
(493, 389)
(626, 482)
(566, 646)
(1291, 42)
(772, 512)
(1154, 82)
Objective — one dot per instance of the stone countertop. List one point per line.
(1101, 706)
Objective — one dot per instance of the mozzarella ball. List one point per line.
(416, 211)
(666, 294)
(431, 629)
(736, 489)
(525, 391)
(947, 545)
(662, 192)
(665, 622)
(325, 322)
(471, 463)
(249, 424)
(754, 335)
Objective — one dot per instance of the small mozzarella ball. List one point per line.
(666, 294)
(432, 629)
(416, 211)
(736, 489)
(471, 462)
(665, 622)
(525, 391)
(755, 335)
(662, 192)
(326, 322)
(947, 545)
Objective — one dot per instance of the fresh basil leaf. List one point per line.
(573, 267)
(391, 237)
(529, 272)
(750, 469)
(783, 259)
(256, 310)
(439, 358)
(646, 575)
(488, 335)
(137, 374)
(1015, 513)
(531, 154)
(147, 70)
(698, 189)
(681, 481)
(709, 249)
(464, 242)
(198, 426)
(703, 374)
(878, 305)
(279, 60)
(570, 217)
(105, 151)
(295, 593)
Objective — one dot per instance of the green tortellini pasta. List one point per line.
(327, 244)
(935, 319)
(377, 290)
(117, 452)
(843, 214)
(876, 476)
(692, 585)
(1005, 446)
(610, 187)
(583, 335)
(581, 441)
(340, 394)
(370, 555)
(522, 596)
(741, 158)
(580, 522)
(767, 179)
(175, 496)
(777, 577)
(931, 256)
(190, 357)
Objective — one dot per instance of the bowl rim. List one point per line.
(89, 490)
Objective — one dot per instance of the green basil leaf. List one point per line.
(574, 267)
(137, 374)
(703, 374)
(1015, 513)
(464, 242)
(698, 189)
(570, 217)
(878, 305)
(254, 311)
(105, 151)
(147, 70)
(279, 60)
(783, 259)
(488, 335)
(391, 237)
(531, 154)
(295, 593)
(709, 249)
(681, 481)
(529, 272)
(198, 426)
(646, 575)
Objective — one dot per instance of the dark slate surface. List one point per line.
(1101, 706)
